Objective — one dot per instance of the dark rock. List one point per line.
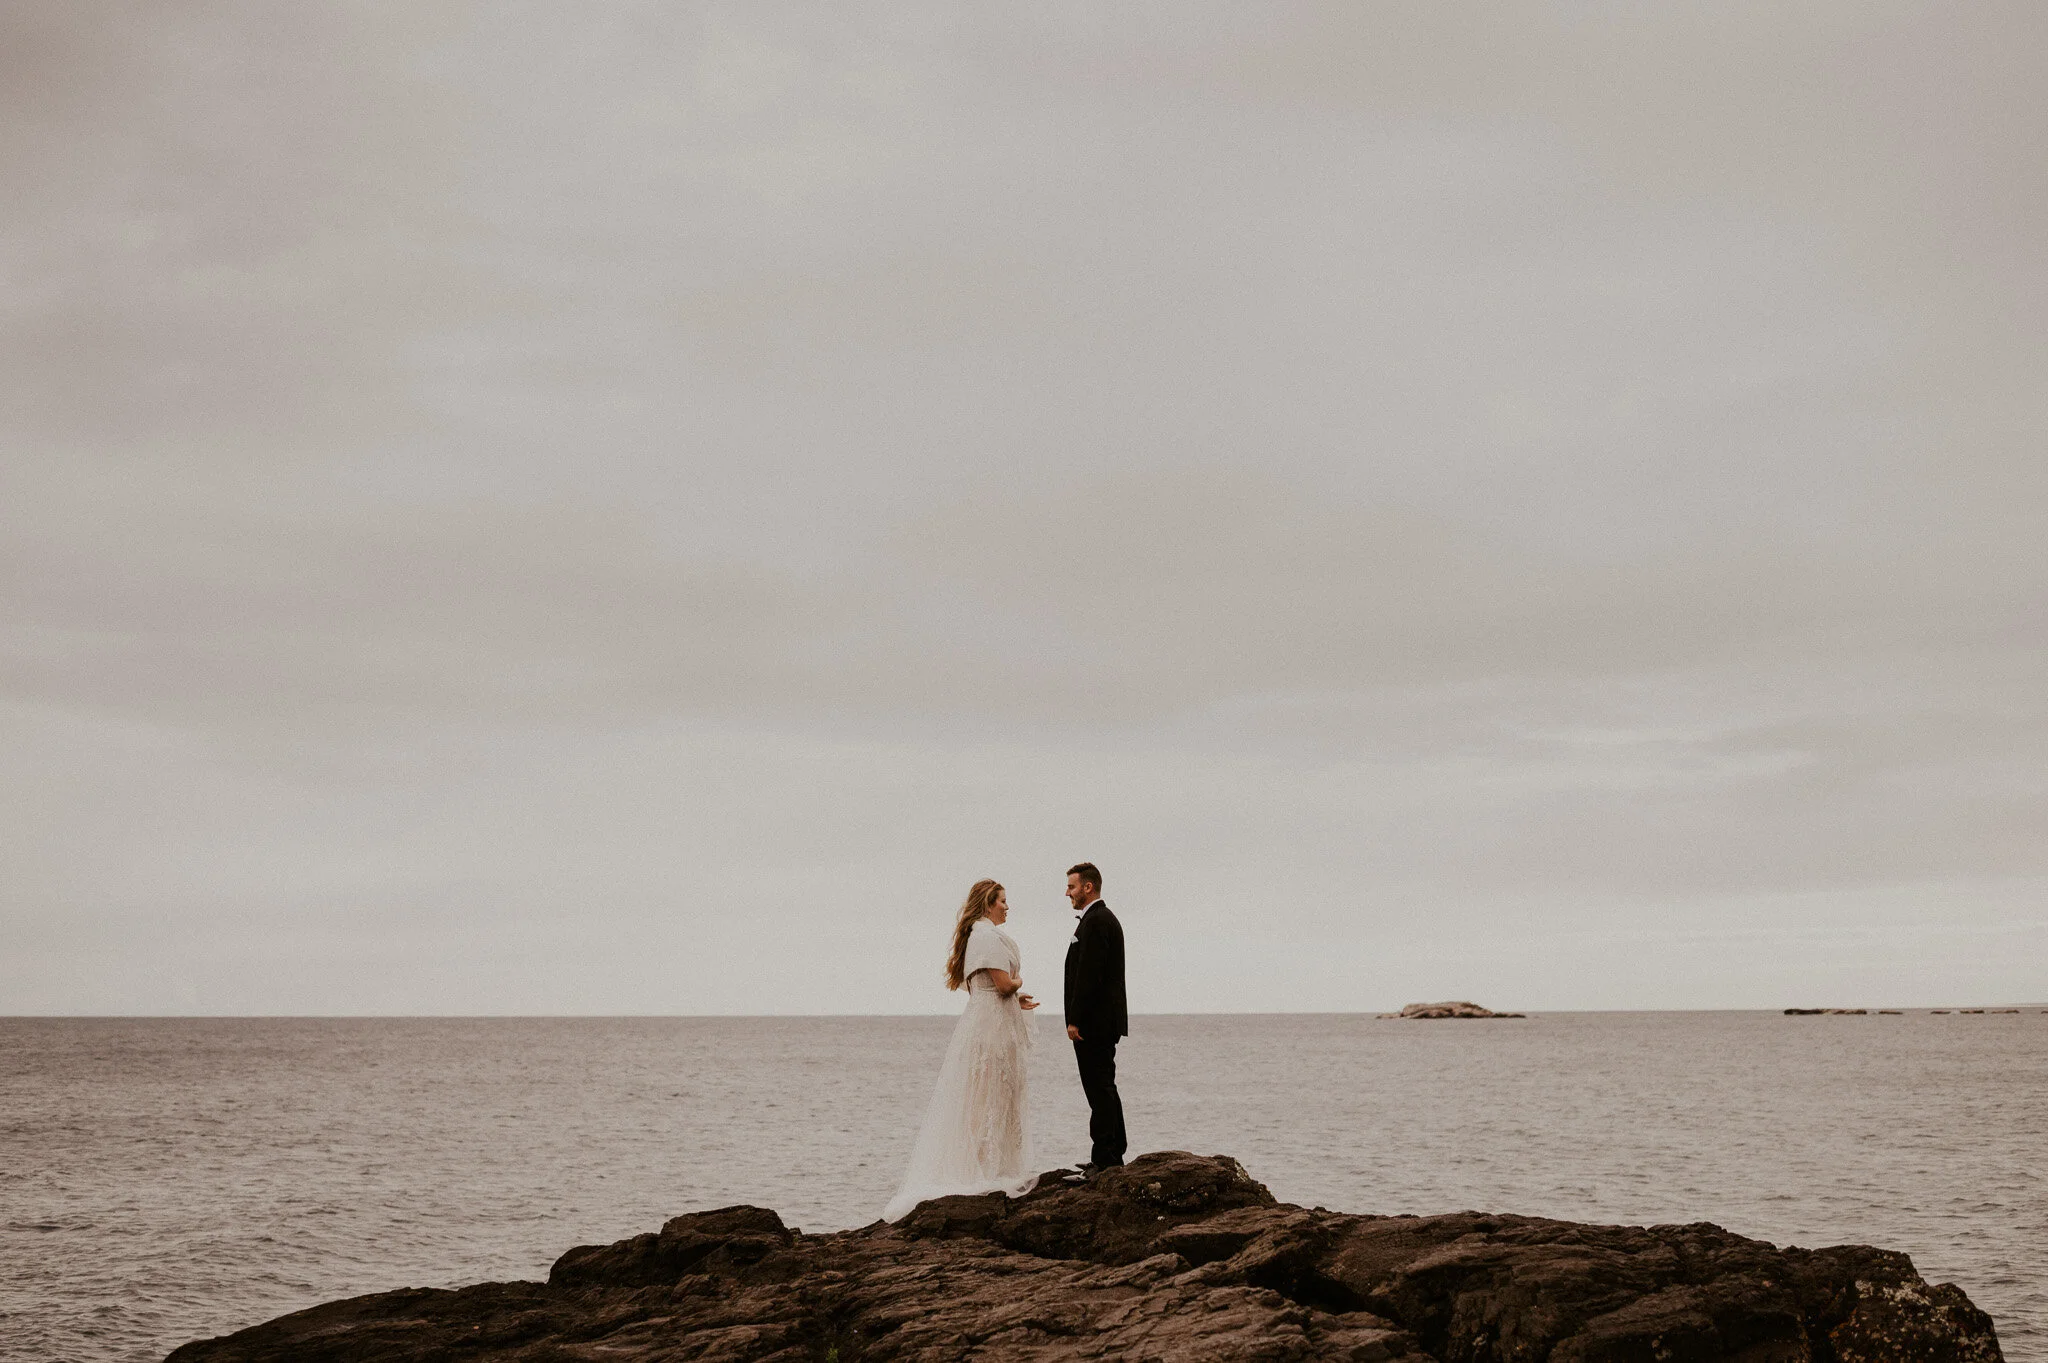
(1172, 1257)
(954, 1218)
(702, 1242)
(1804, 1012)
(1115, 1217)
(1905, 1318)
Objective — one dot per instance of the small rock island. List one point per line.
(1457, 1008)
(1176, 1258)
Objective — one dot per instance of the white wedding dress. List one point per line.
(976, 1137)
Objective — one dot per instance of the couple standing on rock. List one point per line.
(976, 1137)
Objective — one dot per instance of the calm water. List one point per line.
(163, 1180)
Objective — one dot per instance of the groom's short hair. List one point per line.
(1089, 875)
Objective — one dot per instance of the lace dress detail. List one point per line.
(976, 1136)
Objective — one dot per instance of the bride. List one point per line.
(975, 1138)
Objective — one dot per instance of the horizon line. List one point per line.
(1375, 1014)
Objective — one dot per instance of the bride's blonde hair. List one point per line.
(980, 900)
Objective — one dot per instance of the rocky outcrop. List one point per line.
(1454, 1009)
(1173, 1257)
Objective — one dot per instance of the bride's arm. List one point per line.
(1006, 984)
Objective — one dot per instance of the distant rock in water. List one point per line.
(1457, 1009)
(1829, 1012)
(1172, 1257)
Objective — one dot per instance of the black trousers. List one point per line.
(1097, 1062)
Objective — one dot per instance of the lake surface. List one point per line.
(163, 1180)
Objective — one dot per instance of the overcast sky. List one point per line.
(632, 507)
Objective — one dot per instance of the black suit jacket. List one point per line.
(1095, 977)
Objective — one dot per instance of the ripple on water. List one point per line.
(169, 1180)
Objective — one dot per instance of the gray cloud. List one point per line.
(1545, 503)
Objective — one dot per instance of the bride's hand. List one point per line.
(1026, 1002)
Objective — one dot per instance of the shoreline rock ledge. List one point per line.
(1176, 1258)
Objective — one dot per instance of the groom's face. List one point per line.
(1078, 890)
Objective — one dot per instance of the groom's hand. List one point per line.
(1073, 1032)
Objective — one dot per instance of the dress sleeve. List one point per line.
(985, 950)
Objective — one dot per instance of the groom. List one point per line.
(1096, 1015)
